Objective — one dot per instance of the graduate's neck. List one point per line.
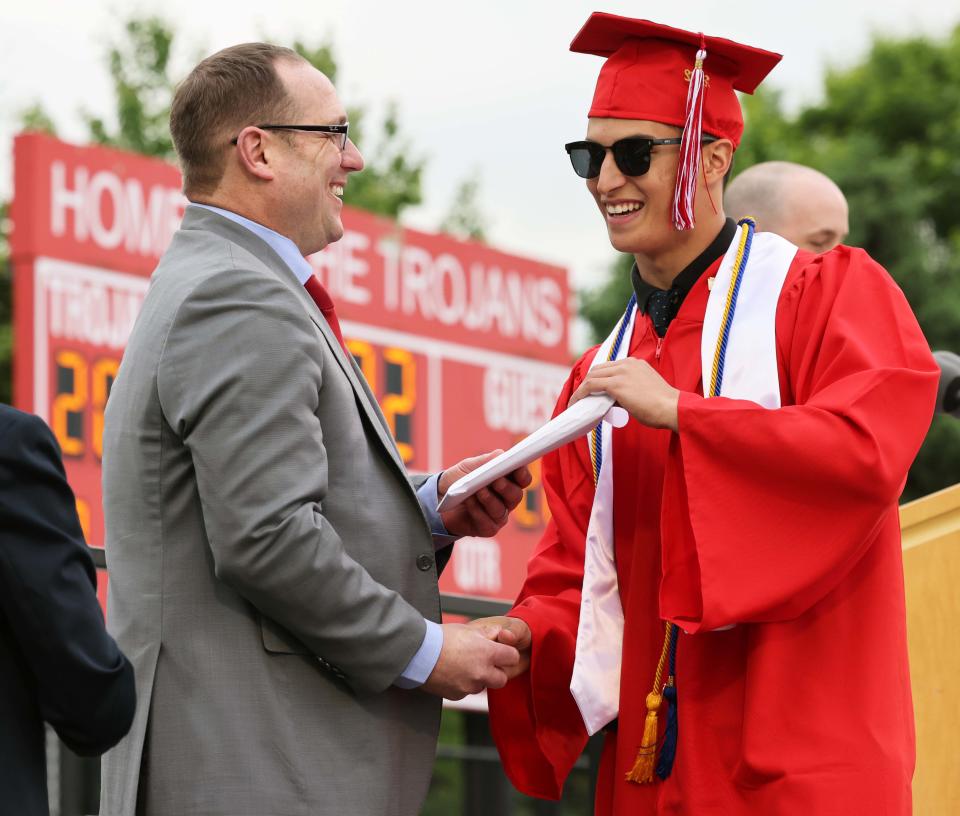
(660, 270)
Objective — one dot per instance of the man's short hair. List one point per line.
(226, 92)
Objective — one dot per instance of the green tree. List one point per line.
(392, 174)
(887, 130)
(139, 65)
(465, 218)
(602, 306)
(37, 118)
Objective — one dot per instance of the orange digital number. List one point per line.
(533, 512)
(400, 398)
(398, 391)
(366, 358)
(83, 513)
(104, 373)
(70, 401)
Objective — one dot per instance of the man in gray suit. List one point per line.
(273, 574)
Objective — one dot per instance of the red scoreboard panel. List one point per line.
(464, 345)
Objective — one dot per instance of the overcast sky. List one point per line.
(486, 88)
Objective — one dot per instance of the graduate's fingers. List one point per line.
(597, 379)
(591, 385)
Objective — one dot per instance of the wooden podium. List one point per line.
(931, 566)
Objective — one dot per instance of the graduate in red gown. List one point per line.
(764, 542)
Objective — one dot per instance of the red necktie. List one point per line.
(325, 304)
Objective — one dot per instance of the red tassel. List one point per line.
(690, 148)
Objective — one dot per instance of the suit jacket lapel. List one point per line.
(201, 219)
(365, 396)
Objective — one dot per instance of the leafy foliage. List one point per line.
(601, 307)
(139, 66)
(320, 57)
(391, 177)
(36, 118)
(465, 218)
(888, 132)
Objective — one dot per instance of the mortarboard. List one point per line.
(664, 74)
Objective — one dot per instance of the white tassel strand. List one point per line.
(690, 149)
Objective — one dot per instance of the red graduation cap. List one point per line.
(664, 74)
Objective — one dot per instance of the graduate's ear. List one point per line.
(717, 160)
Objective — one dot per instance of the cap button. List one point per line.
(424, 562)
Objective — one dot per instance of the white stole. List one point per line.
(750, 373)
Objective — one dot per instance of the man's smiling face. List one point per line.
(313, 170)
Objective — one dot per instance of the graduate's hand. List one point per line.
(637, 388)
(511, 632)
(487, 510)
(470, 660)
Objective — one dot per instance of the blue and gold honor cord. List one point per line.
(596, 435)
(642, 771)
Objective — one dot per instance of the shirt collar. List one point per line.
(691, 273)
(283, 246)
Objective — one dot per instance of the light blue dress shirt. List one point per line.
(423, 662)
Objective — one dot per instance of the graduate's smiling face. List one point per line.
(637, 209)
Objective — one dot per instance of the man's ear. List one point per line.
(252, 153)
(717, 160)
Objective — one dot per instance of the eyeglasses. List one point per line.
(632, 154)
(336, 130)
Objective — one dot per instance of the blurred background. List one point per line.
(462, 111)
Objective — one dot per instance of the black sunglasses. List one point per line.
(632, 154)
(341, 130)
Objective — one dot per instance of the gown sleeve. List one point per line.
(765, 511)
(534, 720)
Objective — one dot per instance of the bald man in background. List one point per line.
(796, 202)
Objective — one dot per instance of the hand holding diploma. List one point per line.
(637, 387)
(573, 423)
(486, 510)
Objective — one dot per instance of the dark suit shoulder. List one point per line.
(14, 422)
(27, 436)
(79, 681)
(28, 446)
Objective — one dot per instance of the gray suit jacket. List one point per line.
(270, 565)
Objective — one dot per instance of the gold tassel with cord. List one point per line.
(642, 770)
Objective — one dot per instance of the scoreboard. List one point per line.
(465, 346)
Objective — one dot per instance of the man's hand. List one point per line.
(637, 388)
(513, 632)
(487, 510)
(470, 661)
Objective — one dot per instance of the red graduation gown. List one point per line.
(783, 522)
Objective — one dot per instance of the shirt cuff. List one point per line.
(427, 495)
(424, 661)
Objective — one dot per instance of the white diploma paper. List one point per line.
(576, 421)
